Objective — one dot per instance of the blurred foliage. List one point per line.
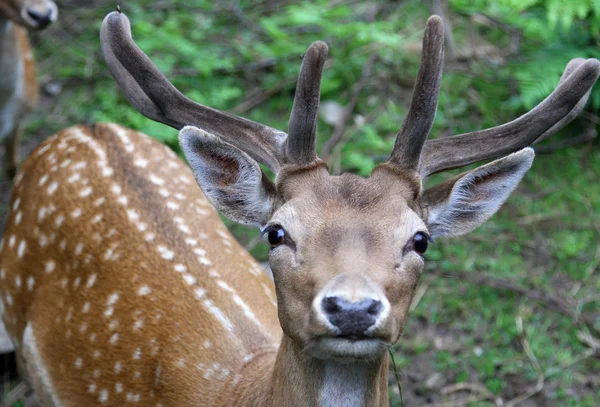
(508, 55)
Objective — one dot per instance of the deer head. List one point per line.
(34, 14)
(346, 252)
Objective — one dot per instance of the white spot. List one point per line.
(155, 180)
(43, 179)
(11, 241)
(149, 237)
(118, 367)
(2, 274)
(21, 249)
(218, 314)
(103, 397)
(137, 355)
(86, 307)
(181, 362)
(18, 281)
(78, 249)
(92, 388)
(200, 293)
(133, 216)
(74, 178)
(200, 252)
(16, 204)
(144, 290)
(76, 282)
(52, 188)
(179, 196)
(91, 281)
(166, 253)
(140, 162)
(163, 192)
(172, 205)
(85, 192)
(30, 283)
(116, 189)
(107, 171)
(99, 201)
(9, 299)
(76, 213)
(190, 279)
(60, 219)
(79, 166)
(18, 217)
(180, 268)
(122, 200)
(78, 363)
(112, 299)
(118, 388)
(138, 324)
(114, 324)
(207, 344)
(114, 339)
(97, 219)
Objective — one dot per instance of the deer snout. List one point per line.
(351, 306)
(352, 318)
(39, 16)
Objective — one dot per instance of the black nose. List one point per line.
(42, 20)
(352, 318)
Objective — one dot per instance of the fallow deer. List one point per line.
(121, 285)
(18, 83)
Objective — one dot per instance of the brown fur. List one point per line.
(175, 323)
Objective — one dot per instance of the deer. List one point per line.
(119, 283)
(19, 92)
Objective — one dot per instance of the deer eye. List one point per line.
(420, 242)
(274, 235)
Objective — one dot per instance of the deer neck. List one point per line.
(11, 64)
(297, 379)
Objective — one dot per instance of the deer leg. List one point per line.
(11, 149)
(35, 372)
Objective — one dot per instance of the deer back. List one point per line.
(119, 276)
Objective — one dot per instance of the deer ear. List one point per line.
(231, 180)
(460, 204)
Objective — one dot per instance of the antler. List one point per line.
(418, 122)
(300, 145)
(552, 114)
(151, 93)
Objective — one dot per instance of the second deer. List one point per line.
(18, 83)
(120, 285)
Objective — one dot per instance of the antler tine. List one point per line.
(550, 115)
(151, 93)
(302, 128)
(571, 67)
(418, 122)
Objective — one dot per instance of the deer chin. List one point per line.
(345, 349)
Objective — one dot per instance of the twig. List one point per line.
(438, 8)
(588, 135)
(551, 302)
(340, 127)
(534, 362)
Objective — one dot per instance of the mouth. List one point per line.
(347, 348)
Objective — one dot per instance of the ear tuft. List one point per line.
(463, 203)
(231, 180)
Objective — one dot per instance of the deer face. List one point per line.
(346, 252)
(34, 14)
(346, 255)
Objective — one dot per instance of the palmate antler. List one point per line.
(153, 95)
